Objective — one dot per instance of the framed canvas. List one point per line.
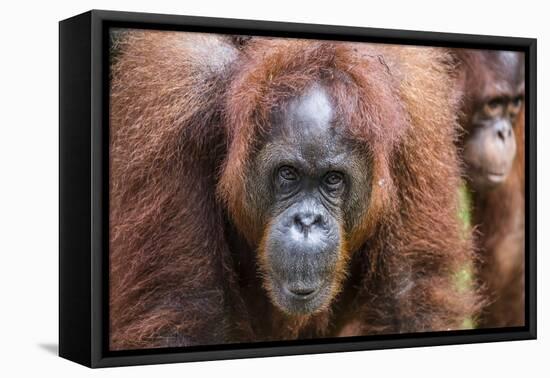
(234, 188)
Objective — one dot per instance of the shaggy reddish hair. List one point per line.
(498, 214)
(188, 112)
(500, 218)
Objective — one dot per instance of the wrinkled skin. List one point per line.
(308, 171)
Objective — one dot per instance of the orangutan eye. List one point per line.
(333, 180)
(516, 102)
(288, 173)
(494, 104)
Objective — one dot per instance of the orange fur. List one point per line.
(188, 112)
(500, 216)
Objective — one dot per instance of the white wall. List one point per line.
(29, 186)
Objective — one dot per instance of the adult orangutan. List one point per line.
(281, 189)
(493, 149)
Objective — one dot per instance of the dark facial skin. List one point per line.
(490, 146)
(310, 184)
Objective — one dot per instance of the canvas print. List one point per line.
(266, 189)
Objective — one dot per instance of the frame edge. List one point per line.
(74, 189)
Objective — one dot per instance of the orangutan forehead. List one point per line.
(507, 67)
(312, 109)
(308, 116)
(306, 129)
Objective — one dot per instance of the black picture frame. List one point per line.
(83, 181)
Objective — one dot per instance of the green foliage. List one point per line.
(468, 323)
(464, 277)
(464, 207)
